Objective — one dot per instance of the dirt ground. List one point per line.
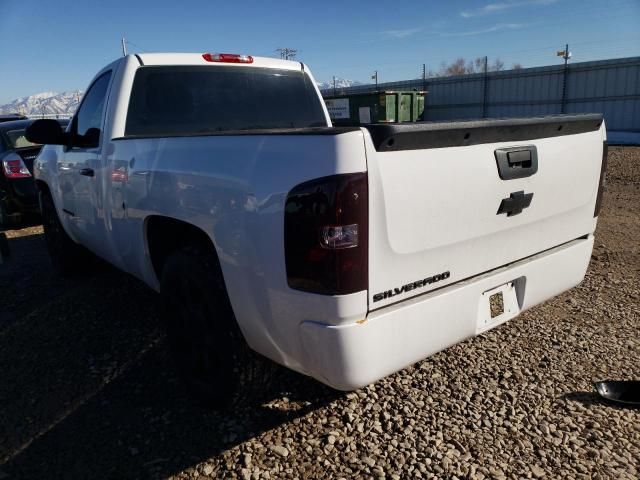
(87, 389)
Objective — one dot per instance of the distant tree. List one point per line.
(516, 66)
(460, 66)
(457, 67)
(497, 65)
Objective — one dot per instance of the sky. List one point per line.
(59, 45)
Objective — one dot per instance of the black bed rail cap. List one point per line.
(424, 135)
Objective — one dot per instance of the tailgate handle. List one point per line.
(517, 162)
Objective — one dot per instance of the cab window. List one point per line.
(88, 121)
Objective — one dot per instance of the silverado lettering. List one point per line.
(410, 286)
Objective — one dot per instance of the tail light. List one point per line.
(227, 58)
(326, 235)
(14, 167)
(603, 175)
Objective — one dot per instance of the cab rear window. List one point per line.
(192, 100)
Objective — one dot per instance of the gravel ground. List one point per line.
(87, 390)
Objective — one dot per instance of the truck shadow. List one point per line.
(587, 399)
(88, 389)
(590, 399)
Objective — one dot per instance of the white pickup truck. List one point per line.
(343, 253)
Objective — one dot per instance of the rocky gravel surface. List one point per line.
(87, 390)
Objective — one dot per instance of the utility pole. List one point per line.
(424, 77)
(566, 55)
(485, 87)
(375, 76)
(334, 85)
(287, 53)
(124, 47)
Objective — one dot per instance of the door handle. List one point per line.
(517, 162)
(87, 172)
(519, 158)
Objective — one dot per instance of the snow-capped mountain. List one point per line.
(48, 103)
(340, 83)
(53, 103)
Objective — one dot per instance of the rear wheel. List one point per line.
(4, 248)
(215, 362)
(8, 220)
(66, 255)
(3, 215)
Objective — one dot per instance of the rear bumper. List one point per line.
(351, 356)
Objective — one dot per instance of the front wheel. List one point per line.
(66, 255)
(215, 362)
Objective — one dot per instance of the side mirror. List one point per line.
(90, 139)
(46, 132)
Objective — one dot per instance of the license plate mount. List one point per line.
(497, 305)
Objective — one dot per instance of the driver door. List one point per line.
(79, 168)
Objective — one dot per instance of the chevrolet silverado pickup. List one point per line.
(344, 253)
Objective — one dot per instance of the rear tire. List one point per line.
(3, 216)
(5, 253)
(216, 364)
(67, 257)
(8, 220)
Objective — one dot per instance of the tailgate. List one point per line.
(449, 201)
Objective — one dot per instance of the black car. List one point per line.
(18, 193)
(9, 117)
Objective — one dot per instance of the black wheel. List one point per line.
(5, 253)
(67, 257)
(216, 364)
(8, 220)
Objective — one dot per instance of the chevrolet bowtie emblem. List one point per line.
(516, 202)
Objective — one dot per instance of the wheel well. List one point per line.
(165, 235)
(43, 187)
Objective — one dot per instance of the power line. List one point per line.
(137, 46)
(538, 56)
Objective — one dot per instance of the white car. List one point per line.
(343, 253)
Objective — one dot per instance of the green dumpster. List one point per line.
(377, 107)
